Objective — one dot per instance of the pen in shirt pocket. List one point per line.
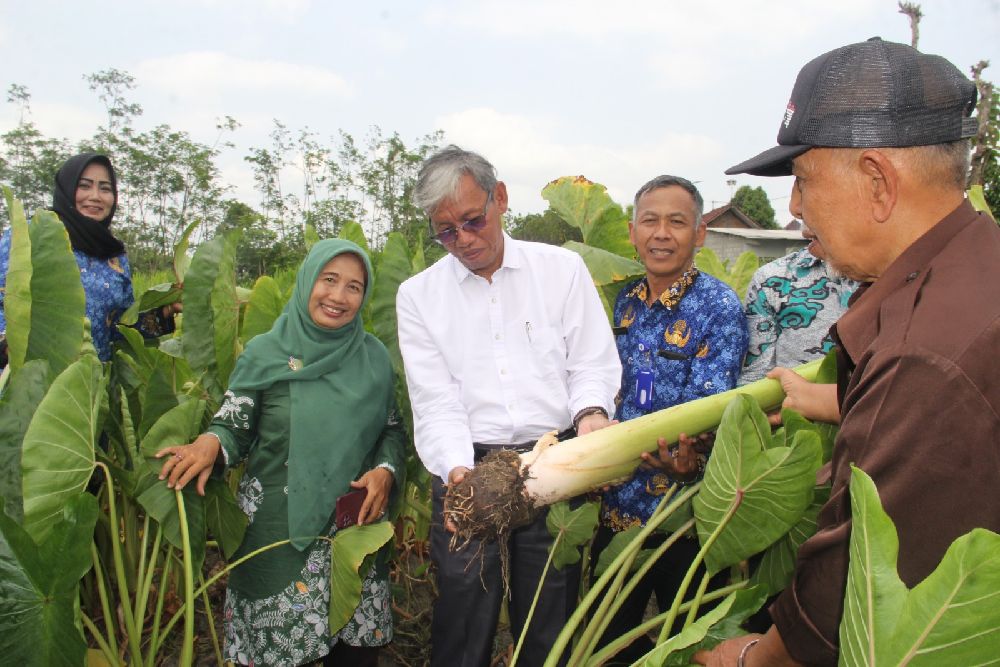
(527, 330)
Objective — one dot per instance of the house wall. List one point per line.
(728, 247)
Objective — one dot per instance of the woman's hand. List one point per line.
(185, 462)
(378, 481)
(817, 402)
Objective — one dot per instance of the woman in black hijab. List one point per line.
(85, 199)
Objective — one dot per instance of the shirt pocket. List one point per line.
(547, 351)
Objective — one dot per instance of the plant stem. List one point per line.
(534, 600)
(696, 602)
(111, 655)
(155, 638)
(187, 645)
(211, 619)
(140, 575)
(134, 633)
(102, 593)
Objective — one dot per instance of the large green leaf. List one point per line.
(265, 304)
(352, 231)
(393, 268)
(181, 259)
(156, 296)
(348, 551)
(572, 528)
(226, 521)
(57, 457)
(743, 269)
(39, 588)
(17, 405)
(45, 308)
(977, 197)
(587, 206)
(616, 546)
(778, 563)
(161, 504)
(211, 312)
(765, 489)
(606, 267)
(950, 618)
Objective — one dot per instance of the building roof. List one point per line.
(794, 224)
(716, 213)
(762, 234)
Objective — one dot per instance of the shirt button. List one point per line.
(496, 337)
(503, 371)
(912, 276)
(493, 299)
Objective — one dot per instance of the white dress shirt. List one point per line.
(502, 361)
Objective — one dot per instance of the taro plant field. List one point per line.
(102, 564)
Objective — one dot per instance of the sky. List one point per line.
(617, 91)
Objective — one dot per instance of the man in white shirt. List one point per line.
(502, 341)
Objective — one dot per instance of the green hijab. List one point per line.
(340, 382)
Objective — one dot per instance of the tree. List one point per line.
(756, 205)
(985, 170)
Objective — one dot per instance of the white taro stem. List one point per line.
(561, 470)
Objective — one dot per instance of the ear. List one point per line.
(881, 183)
(631, 233)
(500, 197)
(699, 234)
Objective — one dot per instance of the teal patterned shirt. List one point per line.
(791, 304)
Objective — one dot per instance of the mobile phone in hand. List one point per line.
(349, 507)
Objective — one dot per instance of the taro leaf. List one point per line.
(265, 304)
(352, 231)
(950, 618)
(827, 373)
(39, 587)
(161, 504)
(211, 312)
(605, 267)
(181, 259)
(575, 527)
(977, 197)
(135, 344)
(708, 262)
(765, 490)
(393, 268)
(715, 627)
(17, 405)
(418, 262)
(678, 517)
(743, 269)
(158, 396)
(226, 521)
(156, 296)
(57, 456)
(775, 569)
(45, 309)
(177, 426)
(587, 206)
(616, 546)
(791, 423)
(348, 550)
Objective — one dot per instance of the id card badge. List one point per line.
(643, 398)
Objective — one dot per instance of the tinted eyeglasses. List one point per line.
(449, 235)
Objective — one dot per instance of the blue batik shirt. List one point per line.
(107, 285)
(791, 304)
(697, 335)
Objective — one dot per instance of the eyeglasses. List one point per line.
(449, 235)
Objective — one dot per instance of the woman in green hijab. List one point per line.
(310, 408)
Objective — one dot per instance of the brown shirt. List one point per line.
(920, 404)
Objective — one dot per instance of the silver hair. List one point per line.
(440, 173)
(666, 181)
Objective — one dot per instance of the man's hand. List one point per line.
(817, 402)
(456, 475)
(186, 462)
(378, 481)
(769, 651)
(679, 463)
(593, 422)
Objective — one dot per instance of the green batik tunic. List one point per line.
(276, 603)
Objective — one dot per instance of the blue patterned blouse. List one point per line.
(107, 284)
(692, 341)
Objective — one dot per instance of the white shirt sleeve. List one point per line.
(440, 422)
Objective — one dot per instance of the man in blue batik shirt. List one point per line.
(681, 335)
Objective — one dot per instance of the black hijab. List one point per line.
(85, 234)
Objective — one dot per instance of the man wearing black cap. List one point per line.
(876, 137)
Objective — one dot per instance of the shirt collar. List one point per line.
(672, 295)
(513, 258)
(860, 324)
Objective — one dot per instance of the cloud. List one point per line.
(209, 73)
(528, 153)
(57, 121)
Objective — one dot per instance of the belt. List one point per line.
(481, 449)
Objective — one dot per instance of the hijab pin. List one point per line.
(295, 364)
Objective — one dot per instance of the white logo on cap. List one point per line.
(789, 112)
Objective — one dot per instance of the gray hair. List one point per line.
(666, 181)
(440, 173)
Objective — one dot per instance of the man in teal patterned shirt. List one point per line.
(791, 304)
(681, 335)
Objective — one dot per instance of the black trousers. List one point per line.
(663, 578)
(468, 604)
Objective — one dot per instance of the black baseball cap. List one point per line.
(869, 95)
